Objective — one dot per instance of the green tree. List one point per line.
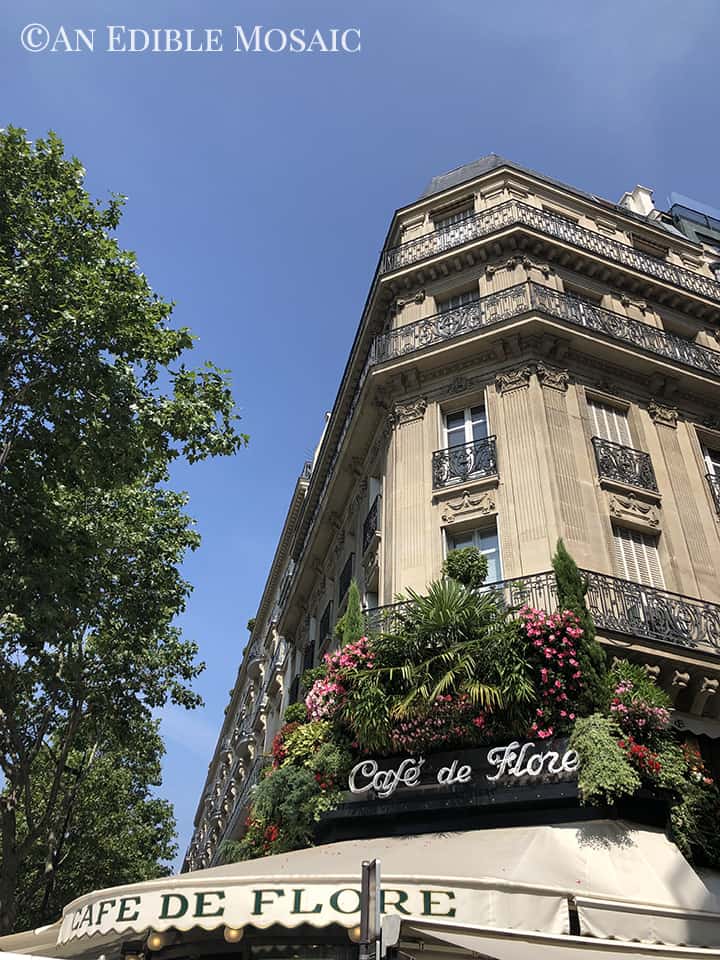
(115, 831)
(95, 404)
(468, 566)
(572, 588)
(351, 625)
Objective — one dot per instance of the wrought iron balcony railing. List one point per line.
(464, 461)
(513, 212)
(616, 462)
(617, 606)
(714, 483)
(523, 297)
(370, 525)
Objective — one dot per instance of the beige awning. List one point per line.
(437, 940)
(627, 882)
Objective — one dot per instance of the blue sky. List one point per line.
(260, 188)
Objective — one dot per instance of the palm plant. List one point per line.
(454, 640)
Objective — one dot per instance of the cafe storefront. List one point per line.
(549, 879)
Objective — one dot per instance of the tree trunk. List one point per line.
(10, 866)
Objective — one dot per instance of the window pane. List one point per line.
(712, 459)
(479, 423)
(459, 300)
(610, 423)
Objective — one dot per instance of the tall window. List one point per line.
(459, 300)
(486, 541)
(637, 558)
(465, 426)
(610, 423)
(712, 461)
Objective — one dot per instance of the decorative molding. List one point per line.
(483, 504)
(402, 302)
(459, 385)
(513, 379)
(633, 510)
(408, 412)
(660, 413)
(519, 260)
(552, 377)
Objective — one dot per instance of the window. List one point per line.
(610, 423)
(345, 577)
(324, 631)
(466, 426)
(448, 221)
(486, 541)
(712, 461)
(459, 300)
(637, 558)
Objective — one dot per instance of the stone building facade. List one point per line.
(532, 363)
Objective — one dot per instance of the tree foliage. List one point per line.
(606, 774)
(115, 831)
(572, 588)
(351, 625)
(96, 401)
(468, 566)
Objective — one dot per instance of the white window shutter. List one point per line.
(610, 423)
(637, 558)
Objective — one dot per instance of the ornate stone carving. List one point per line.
(458, 385)
(553, 378)
(483, 504)
(513, 379)
(667, 416)
(625, 507)
(401, 302)
(408, 412)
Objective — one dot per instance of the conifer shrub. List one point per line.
(572, 587)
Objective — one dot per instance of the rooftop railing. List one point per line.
(516, 213)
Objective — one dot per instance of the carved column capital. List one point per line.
(408, 412)
(513, 379)
(553, 378)
(665, 415)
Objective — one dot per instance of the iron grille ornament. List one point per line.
(463, 461)
(523, 297)
(515, 213)
(616, 462)
(616, 605)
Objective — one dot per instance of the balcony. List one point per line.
(514, 213)
(525, 297)
(714, 483)
(624, 465)
(464, 461)
(370, 525)
(617, 606)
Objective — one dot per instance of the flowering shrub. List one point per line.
(448, 722)
(696, 769)
(552, 641)
(645, 761)
(279, 748)
(636, 716)
(328, 695)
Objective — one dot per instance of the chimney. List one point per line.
(639, 200)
